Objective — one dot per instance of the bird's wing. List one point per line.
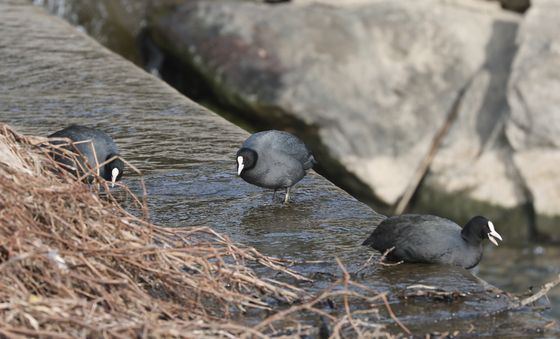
(282, 142)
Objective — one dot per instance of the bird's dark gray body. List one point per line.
(283, 159)
(425, 239)
(102, 142)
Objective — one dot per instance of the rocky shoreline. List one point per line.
(405, 103)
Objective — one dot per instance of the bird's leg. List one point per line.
(287, 198)
(274, 195)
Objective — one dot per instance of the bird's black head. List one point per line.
(114, 169)
(246, 159)
(478, 229)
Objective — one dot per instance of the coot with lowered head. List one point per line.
(105, 149)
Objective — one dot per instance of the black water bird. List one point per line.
(431, 239)
(274, 159)
(104, 149)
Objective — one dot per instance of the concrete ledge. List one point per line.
(52, 75)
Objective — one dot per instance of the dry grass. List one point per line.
(75, 264)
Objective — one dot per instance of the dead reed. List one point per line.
(74, 263)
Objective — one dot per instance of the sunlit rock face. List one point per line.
(533, 128)
(514, 5)
(370, 83)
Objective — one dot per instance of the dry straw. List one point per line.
(74, 263)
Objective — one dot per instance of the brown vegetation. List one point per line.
(74, 263)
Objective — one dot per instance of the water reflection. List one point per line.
(523, 268)
(191, 181)
(187, 157)
(189, 184)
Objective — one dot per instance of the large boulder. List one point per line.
(533, 128)
(370, 83)
(514, 5)
(473, 171)
(53, 76)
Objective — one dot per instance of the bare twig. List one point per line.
(393, 316)
(381, 260)
(74, 264)
(542, 292)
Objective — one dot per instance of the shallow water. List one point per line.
(190, 187)
(181, 187)
(187, 158)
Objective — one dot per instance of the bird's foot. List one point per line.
(287, 197)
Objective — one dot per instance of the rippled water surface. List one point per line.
(199, 187)
(187, 158)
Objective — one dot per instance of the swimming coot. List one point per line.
(105, 149)
(274, 159)
(431, 239)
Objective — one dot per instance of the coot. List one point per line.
(105, 149)
(274, 159)
(431, 239)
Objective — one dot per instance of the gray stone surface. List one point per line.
(375, 80)
(474, 163)
(514, 5)
(53, 75)
(533, 128)
(474, 158)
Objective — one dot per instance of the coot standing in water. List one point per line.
(274, 159)
(105, 149)
(431, 239)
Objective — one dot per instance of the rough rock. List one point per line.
(534, 96)
(53, 75)
(514, 5)
(374, 80)
(474, 160)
